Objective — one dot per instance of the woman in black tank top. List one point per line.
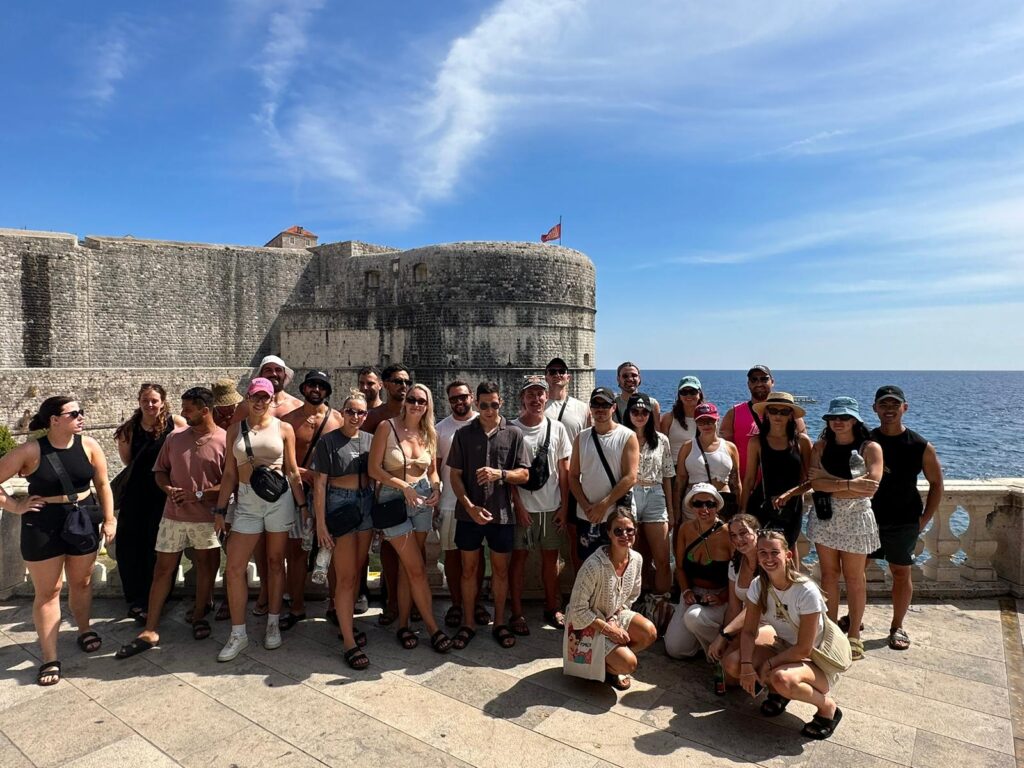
(46, 548)
(139, 441)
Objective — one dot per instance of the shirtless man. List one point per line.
(306, 421)
(273, 367)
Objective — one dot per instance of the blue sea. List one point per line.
(975, 419)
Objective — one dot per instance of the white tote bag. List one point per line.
(583, 652)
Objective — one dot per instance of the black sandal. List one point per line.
(555, 619)
(822, 727)
(462, 638)
(519, 626)
(360, 638)
(200, 629)
(440, 642)
(356, 659)
(289, 620)
(138, 615)
(89, 642)
(503, 636)
(481, 616)
(223, 612)
(332, 616)
(453, 617)
(774, 705)
(618, 682)
(844, 624)
(134, 648)
(407, 638)
(50, 671)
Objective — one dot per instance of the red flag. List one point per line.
(555, 233)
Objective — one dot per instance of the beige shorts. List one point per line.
(176, 536)
(447, 530)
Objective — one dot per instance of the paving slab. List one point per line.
(134, 750)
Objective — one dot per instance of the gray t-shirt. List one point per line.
(337, 455)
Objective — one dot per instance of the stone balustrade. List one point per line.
(974, 547)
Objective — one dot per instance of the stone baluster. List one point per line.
(977, 541)
(942, 544)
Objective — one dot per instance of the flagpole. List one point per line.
(559, 229)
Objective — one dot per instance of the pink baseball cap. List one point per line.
(706, 410)
(259, 384)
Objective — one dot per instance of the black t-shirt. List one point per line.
(472, 449)
(897, 501)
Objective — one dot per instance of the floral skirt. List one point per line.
(851, 529)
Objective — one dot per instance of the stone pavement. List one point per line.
(949, 700)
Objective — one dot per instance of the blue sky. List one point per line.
(810, 184)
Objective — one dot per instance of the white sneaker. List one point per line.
(272, 639)
(362, 604)
(234, 646)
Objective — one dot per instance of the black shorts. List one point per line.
(41, 535)
(469, 536)
(898, 543)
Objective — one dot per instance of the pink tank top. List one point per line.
(743, 428)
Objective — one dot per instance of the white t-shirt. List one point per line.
(446, 429)
(548, 498)
(800, 599)
(593, 477)
(575, 417)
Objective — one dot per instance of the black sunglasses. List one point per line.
(354, 413)
(415, 401)
(557, 371)
(845, 417)
(75, 414)
(401, 382)
(624, 533)
(778, 411)
(600, 405)
(707, 504)
(488, 406)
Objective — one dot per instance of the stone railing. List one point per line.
(973, 547)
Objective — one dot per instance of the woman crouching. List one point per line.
(606, 586)
(794, 607)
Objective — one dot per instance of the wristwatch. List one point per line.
(199, 495)
(726, 635)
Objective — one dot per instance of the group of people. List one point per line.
(676, 523)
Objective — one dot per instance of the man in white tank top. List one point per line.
(596, 493)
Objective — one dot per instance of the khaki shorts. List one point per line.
(541, 532)
(447, 530)
(177, 536)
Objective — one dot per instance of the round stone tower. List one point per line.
(470, 311)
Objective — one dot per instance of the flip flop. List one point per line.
(134, 648)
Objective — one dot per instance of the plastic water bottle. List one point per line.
(323, 562)
(857, 466)
(719, 680)
(307, 534)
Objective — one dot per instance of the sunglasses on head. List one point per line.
(354, 413)
(778, 411)
(624, 533)
(704, 504)
(488, 406)
(416, 401)
(75, 414)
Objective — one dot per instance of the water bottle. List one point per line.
(719, 680)
(307, 534)
(323, 562)
(857, 466)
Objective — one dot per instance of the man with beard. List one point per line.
(460, 400)
(741, 422)
(396, 381)
(188, 469)
(628, 375)
(280, 375)
(311, 422)
(370, 385)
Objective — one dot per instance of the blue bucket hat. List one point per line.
(843, 406)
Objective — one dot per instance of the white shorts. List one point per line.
(447, 531)
(256, 515)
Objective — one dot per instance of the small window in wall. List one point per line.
(419, 273)
(373, 279)
(586, 359)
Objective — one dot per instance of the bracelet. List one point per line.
(220, 511)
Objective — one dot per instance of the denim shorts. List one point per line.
(650, 504)
(256, 515)
(338, 496)
(420, 519)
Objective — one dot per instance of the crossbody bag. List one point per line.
(81, 527)
(540, 468)
(832, 655)
(388, 514)
(627, 499)
(266, 482)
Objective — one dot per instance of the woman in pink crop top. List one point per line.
(403, 463)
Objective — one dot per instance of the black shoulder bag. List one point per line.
(81, 527)
(625, 501)
(387, 514)
(267, 483)
(540, 469)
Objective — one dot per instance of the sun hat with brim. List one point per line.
(843, 406)
(689, 381)
(289, 374)
(320, 377)
(225, 393)
(780, 398)
(259, 384)
(698, 488)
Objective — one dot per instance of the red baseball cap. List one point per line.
(705, 410)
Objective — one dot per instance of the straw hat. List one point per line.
(225, 393)
(780, 398)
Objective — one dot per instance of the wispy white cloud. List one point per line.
(106, 60)
(284, 48)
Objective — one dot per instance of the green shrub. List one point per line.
(7, 441)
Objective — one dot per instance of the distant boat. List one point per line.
(803, 399)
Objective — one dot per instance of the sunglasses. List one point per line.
(75, 414)
(688, 392)
(458, 398)
(639, 412)
(315, 385)
(600, 405)
(758, 379)
(624, 533)
(707, 422)
(415, 401)
(708, 504)
(557, 371)
(260, 398)
(778, 411)
(845, 417)
(354, 413)
(488, 406)
(401, 382)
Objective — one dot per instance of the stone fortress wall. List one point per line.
(99, 316)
